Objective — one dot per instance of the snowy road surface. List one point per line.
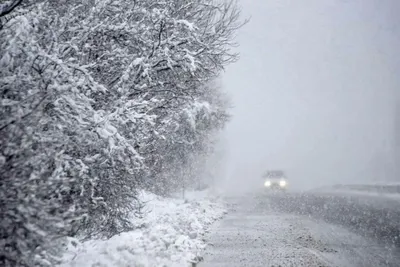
(260, 232)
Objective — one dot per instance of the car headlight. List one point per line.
(267, 183)
(282, 183)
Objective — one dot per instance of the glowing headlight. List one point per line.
(267, 183)
(282, 183)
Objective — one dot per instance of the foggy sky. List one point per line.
(314, 90)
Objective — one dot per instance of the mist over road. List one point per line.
(314, 229)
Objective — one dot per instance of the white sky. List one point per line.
(314, 91)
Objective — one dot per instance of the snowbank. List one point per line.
(171, 235)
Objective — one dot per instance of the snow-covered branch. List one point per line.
(98, 100)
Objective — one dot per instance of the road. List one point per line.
(303, 230)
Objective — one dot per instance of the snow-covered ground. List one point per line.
(371, 194)
(377, 189)
(255, 234)
(173, 235)
(349, 192)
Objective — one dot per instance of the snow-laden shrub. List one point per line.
(100, 98)
(172, 234)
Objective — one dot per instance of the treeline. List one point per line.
(100, 98)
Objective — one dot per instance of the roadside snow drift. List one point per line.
(171, 235)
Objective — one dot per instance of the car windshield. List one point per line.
(274, 174)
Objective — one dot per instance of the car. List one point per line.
(275, 180)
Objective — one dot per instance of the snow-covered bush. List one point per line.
(178, 161)
(171, 234)
(98, 99)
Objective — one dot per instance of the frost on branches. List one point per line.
(98, 100)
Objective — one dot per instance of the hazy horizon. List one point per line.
(314, 92)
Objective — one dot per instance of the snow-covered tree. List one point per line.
(188, 136)
(100, 98)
